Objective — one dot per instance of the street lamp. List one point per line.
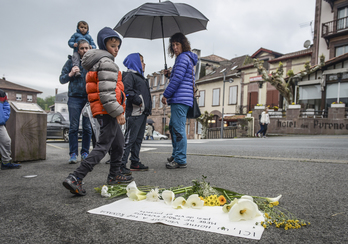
(296, 79)
(339, 77)
(260, 86)
(230, 80)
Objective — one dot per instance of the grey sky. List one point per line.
(35, 33)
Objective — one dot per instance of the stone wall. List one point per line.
(335, 124)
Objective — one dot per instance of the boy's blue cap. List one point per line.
(104, 33)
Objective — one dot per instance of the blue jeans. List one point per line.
(178, 132)
(75, 106)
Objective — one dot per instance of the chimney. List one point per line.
(56, 91)
(198, 52)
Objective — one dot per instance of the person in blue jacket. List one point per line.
(179, 95)
(5, 140)
(81, 33)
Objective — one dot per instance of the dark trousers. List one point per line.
(134, 135)
(110, 137)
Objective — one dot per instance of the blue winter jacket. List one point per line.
(78, 36)
(5, 109)
(180, 88)
(77, 85)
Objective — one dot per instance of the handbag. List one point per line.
(194, 112)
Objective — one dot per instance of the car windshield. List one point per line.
(49, 117)
(66, 116)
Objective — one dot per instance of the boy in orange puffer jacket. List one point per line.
(105, 94)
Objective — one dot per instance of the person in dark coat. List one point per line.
(138, 107)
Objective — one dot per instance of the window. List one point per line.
(18, 97)
(155, 81)
(153, 102)
(162, 79)
(232, 99)
(341, 50)
(29, 98)
(201, 100)
(160, 101)
(342, 20)
(216, 97)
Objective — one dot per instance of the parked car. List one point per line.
(58, 126)
(156, 136)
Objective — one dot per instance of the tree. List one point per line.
(203, 119)
(285, 84)
(46, 103)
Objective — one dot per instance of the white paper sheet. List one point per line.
(211, 219)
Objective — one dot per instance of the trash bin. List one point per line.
(27, 128)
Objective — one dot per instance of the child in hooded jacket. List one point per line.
(82, 31)
(105, 93)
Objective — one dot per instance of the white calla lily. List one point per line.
(168, 197)
(153, 196)
(179, 202)
(136, 195)
(244, 210)
(194, 201)
(247, 197)
(104, 191)
(274, 199)
(227, 207)
(131, 186)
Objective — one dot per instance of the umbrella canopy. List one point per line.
(160, 20)
(150, 121)
(146, 21)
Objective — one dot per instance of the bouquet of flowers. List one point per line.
(201, 193)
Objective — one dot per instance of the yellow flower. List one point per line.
(222, 200)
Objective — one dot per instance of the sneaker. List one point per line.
(84, 156)
(264, 136)
(175, 165)
(170, 159)
(74, 185)
(10, 165)
(119, 179)
(138, 166)
(125, 171)
(73, 158)
(256, 135)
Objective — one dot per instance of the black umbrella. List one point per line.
(160, 20)
(150, 121)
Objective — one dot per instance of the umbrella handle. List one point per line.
(164, 47)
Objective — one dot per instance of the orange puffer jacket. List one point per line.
(104, 83)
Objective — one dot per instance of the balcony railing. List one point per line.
(334, 27)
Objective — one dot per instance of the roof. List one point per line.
(4, 84)
(213, 58)
(230, 67)
(334, 60)
(61, 97)
(276, 54)
(297, 54)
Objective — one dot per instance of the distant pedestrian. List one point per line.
(138, 107)
(179, 94)
(264, 121)
(107, 100)
(81, 33)
(149, 132)
(5, 140)
(76, 102)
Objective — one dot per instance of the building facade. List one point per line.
(17, 92)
